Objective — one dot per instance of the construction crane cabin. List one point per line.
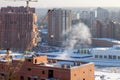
(27, 3)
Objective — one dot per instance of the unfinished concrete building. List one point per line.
(18, 29)
(40, 68)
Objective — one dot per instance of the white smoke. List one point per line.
(64, 56)
(78, 35)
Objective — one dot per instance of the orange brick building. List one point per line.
(39, 68)
(18, 28)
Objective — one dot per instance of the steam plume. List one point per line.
(78, 35)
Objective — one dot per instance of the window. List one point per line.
(96, 56)
(50, 73)
(35, 60)
(2, 67)
(114, 57)
(29, 60)
(43, 72)
(110, 56)
(29, 69)
(21, 78)
(2, 74)
(118, 57)
(105, 56)
(90, 70)
(35, 79)
(100, 56)
(29, 78)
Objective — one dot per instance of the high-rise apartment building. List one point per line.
(59, 22)
(18, 29)
(102, 14)
(99, 26)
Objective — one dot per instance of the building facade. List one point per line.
(18, 29)
(102, 14)
(59, 22)
(39, 68)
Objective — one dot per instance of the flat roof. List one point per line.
(108, 39)
(64, 64)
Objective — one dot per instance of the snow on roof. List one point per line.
(115, 48)
(101, 48)
(108, 39)
(14, 55)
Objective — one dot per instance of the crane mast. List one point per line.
(10, 69)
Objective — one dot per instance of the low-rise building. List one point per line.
(41, 68)
(104, 42)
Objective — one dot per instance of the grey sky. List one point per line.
(64, 3)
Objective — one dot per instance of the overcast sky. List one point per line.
(63, 3)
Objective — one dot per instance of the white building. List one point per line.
(112, 53)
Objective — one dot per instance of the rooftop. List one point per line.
(66, 64)
(108, 39)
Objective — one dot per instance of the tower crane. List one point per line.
(27, 3)
(10, 69)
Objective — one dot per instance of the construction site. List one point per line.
(39, 67)
(19, 32)
(18, 27)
